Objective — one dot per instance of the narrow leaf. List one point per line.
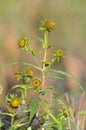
(56, 120)
(68, 75)
(24, 63)
(41, 41)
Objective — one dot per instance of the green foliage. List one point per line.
(42, 42)
(56, 120)
(33, 107)
(1, 123)
(67, 75)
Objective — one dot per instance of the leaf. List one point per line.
(24, 63)
(58, 77)
(6, 114)
(42, 42)
(56, 120)
(33, 107)
(22, 86)
(34, 52)
(49, 46)
(29, 128)
(1, 123)
(43, 92)
(68, 75)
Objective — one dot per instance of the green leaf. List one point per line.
(43, 92)
(29, 128)
(58, 77)
(33, 107)
(49, 46)
(24, 63)
(6, 114)
(68, 75)
(41, 41)
(42, 29)
(22, 86)
(34, 52)
(1, 123)
(25, 48)
(55, 120)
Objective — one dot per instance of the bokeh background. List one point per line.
(20, 18)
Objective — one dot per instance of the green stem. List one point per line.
(12, 120)
(46, 45)
(45, 57)
(23, 96)
(43, 67)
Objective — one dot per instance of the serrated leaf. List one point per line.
(33, 107)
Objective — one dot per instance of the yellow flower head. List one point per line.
(22, 42)
(15, 102)
(66, 112)
(17, 74)
(49, 25)
(30, 72)
(36, 82)
(59, 53)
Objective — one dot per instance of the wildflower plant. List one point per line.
(23, 115)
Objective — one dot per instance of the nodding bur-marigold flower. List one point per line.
(66, 112)
(36, 82)
(15, 102)
(22, 42)
(49, 25)
(17, 74)
(30, 72)
(59, 53)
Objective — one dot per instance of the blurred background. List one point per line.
(20, 18)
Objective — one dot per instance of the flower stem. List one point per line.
(12, 120)
(23, 96)
(45, 57)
